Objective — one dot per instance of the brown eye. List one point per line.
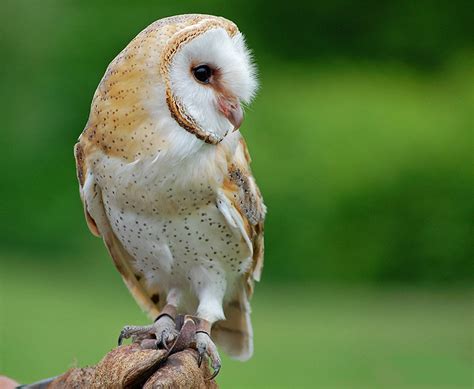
(202, 73)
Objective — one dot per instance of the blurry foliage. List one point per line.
(360, 133)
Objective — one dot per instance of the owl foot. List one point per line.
(176, 334)
(160, 333)
(206, 347)
(194, 332)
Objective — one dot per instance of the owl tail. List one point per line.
(234, 334)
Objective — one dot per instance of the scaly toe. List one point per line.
(160, 333)
(165, 331)
(205, 346)
(135, 332)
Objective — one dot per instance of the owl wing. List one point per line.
(99, 225)
(242, 205)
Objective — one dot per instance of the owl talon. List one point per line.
(137, 333)
(165, 339)
(205, 346)
(216, 372)
(165, 346)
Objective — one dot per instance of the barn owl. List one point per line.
(165, 180)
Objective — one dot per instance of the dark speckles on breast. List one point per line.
(199, 238)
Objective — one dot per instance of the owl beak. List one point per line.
(231, 109)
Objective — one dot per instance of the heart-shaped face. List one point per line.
(208, 74)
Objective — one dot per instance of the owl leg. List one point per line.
(209, 311)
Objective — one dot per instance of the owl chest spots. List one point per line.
(175, 236)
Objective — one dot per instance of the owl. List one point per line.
(165, 180)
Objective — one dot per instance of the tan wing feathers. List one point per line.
(242, 191)
(235, 334)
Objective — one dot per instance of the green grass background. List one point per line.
(361, 136)
(305, 335)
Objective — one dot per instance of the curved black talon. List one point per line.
(123, 335)
(216, 372)
(120, 338)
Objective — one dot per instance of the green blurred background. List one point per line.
(361, 137)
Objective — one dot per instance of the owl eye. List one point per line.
(202, 73)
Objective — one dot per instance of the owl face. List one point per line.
(208, 74)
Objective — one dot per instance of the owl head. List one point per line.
(208, 74)
(180, 82)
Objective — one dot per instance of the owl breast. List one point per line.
(171, 226)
